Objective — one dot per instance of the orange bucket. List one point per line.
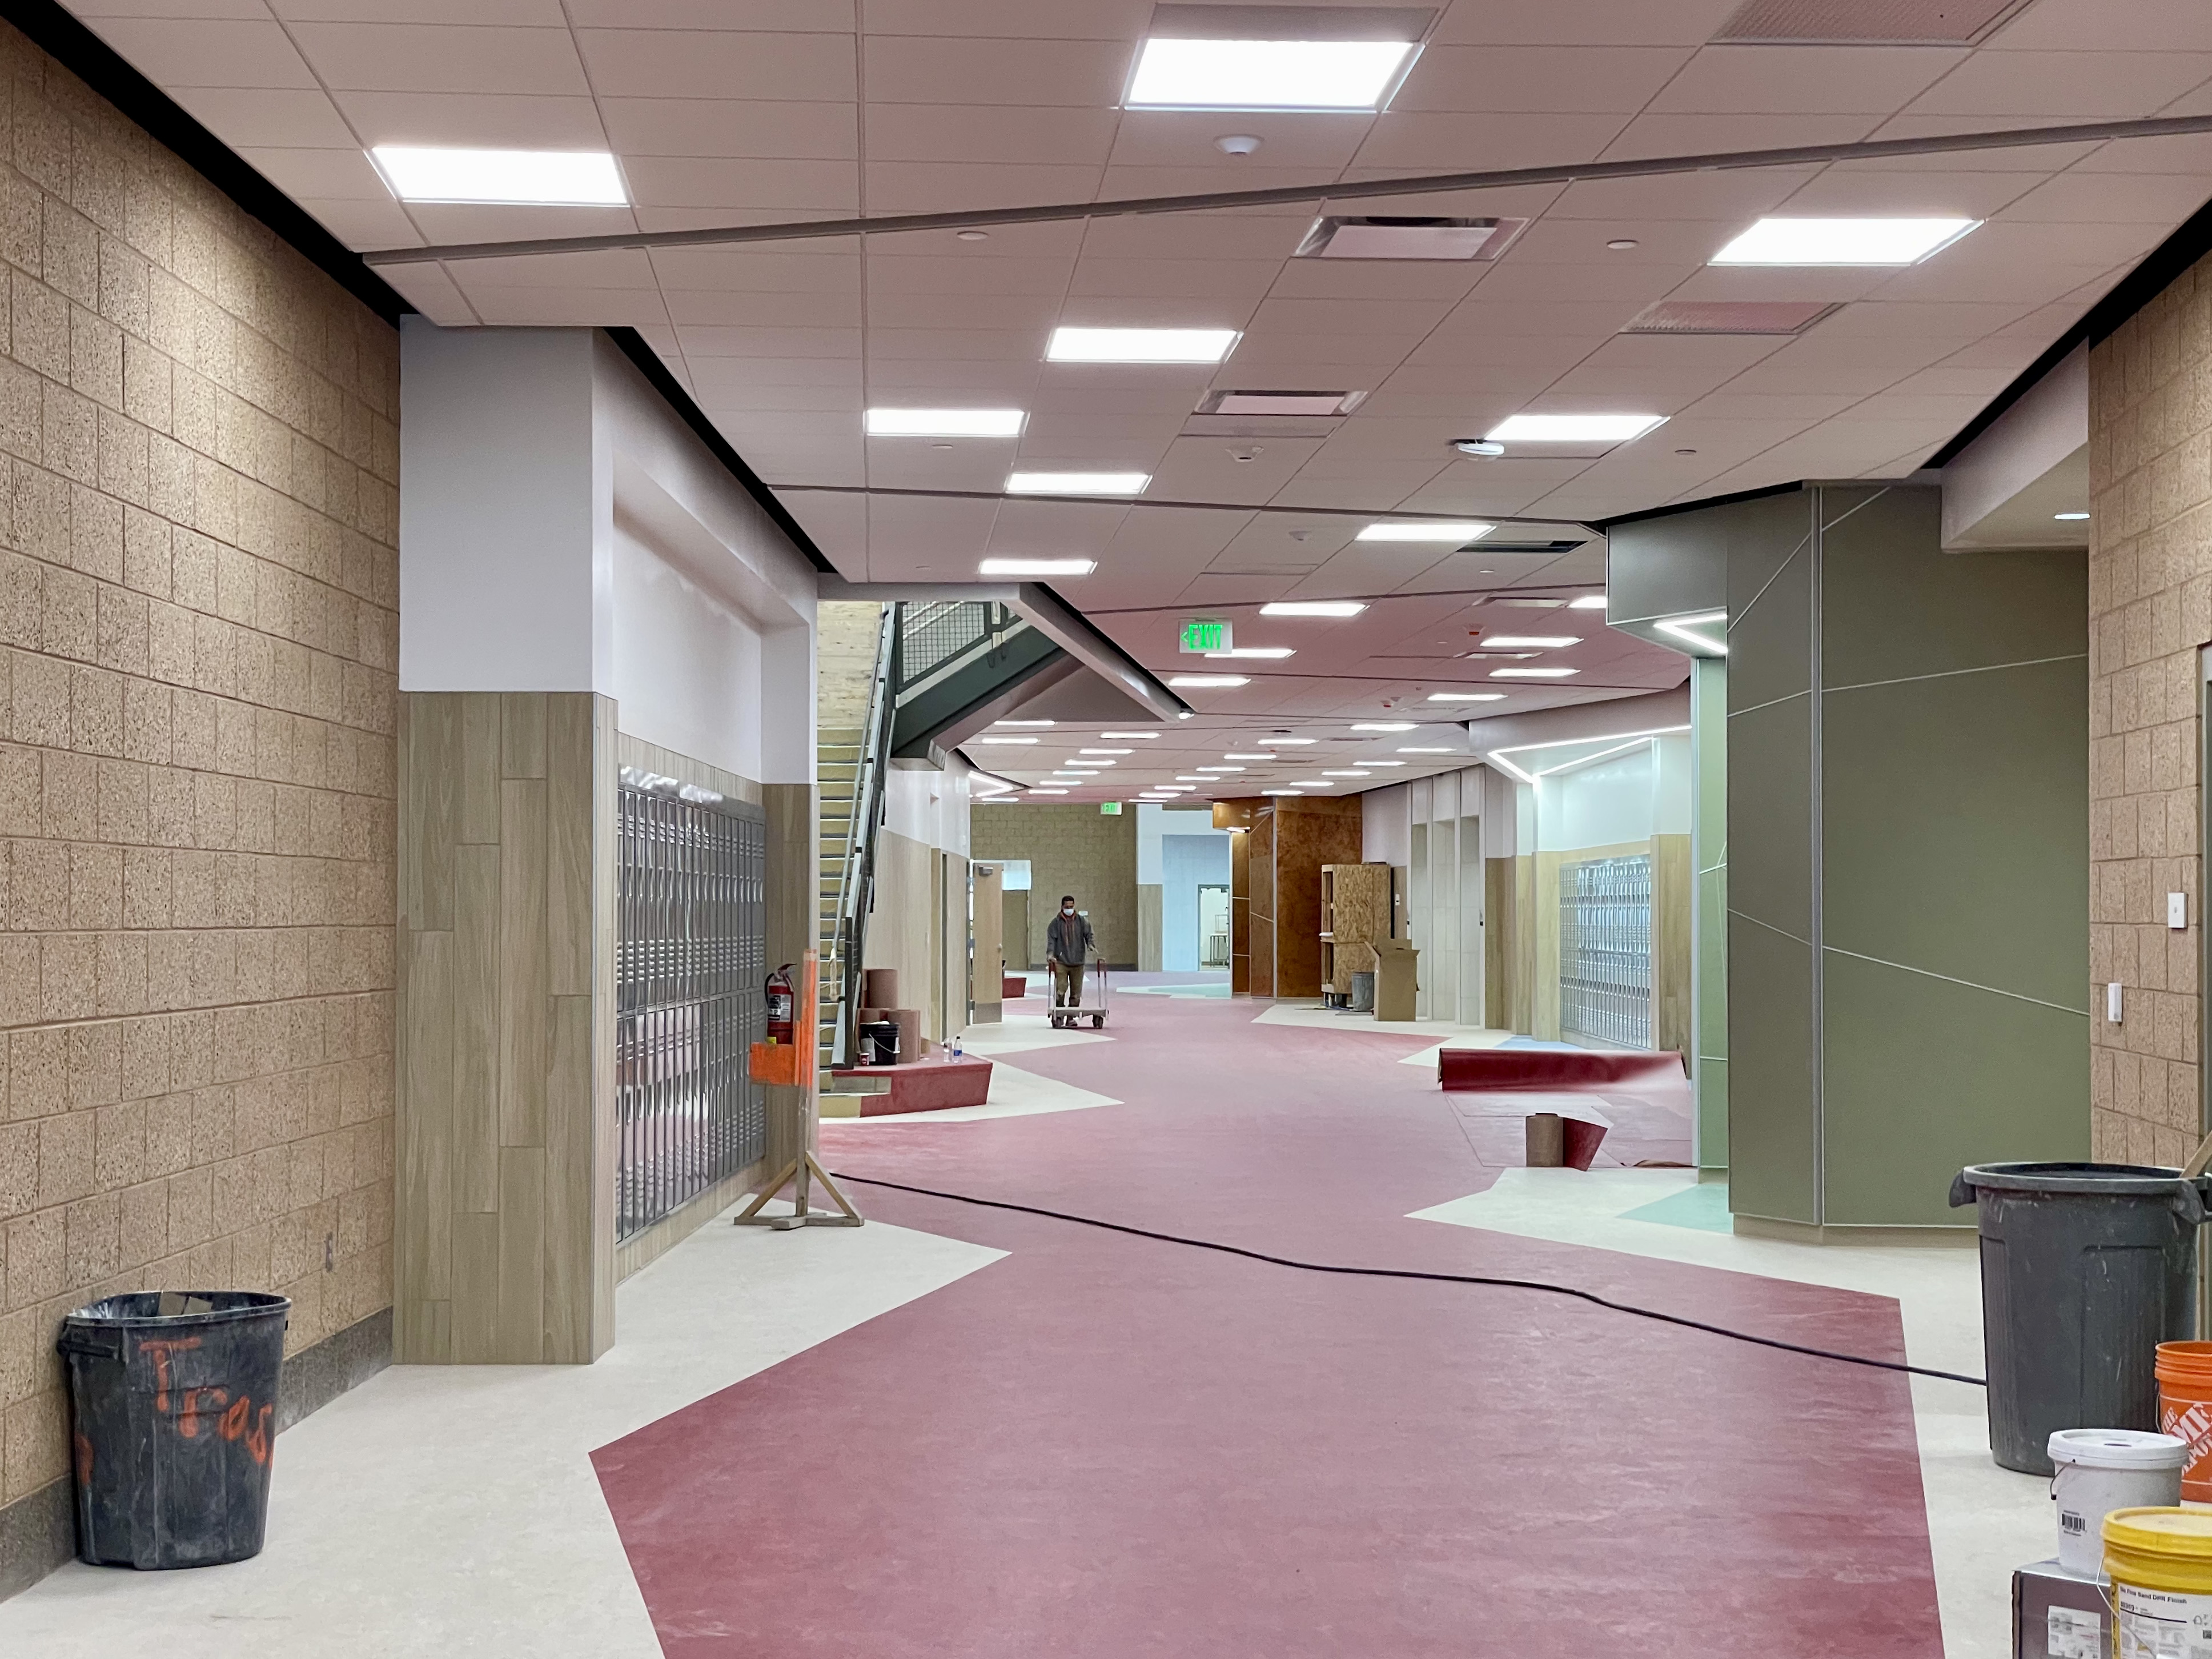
(2184, 1411)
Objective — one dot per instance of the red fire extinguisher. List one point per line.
(782, 1002)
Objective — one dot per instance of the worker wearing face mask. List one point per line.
(1068, 944)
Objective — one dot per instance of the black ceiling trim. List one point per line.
(647, 361)
(1670, 511)
(2158, 269)
(96, 63)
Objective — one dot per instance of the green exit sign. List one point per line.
(1204, 634)
(1111, 808)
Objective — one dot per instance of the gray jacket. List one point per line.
(1069, 939)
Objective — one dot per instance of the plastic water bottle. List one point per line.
(956, 1048)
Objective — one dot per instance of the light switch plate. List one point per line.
(2177, 909)
(2113, 1003)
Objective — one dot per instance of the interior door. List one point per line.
(1015, 911)
(1470, 920)
(1212, 926)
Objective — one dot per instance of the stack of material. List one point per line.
(879, 990)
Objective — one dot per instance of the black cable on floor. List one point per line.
(1412, 1272)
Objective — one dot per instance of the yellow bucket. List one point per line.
(2159, 1561)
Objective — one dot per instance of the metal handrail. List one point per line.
(859, 870)
(938, 635)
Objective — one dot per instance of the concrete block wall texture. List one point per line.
(2150, 610)
(198, 630)
(1072, 849)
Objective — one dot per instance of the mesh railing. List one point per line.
(690, 958)
(933, 635)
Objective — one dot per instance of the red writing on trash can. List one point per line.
(212, 1408)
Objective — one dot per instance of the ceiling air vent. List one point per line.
(1729, 317)
(1866, 23)
(1408, 236)
(1280, 402)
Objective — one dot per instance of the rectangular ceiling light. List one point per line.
(1532, 673)
(1041, 789)
(1457, 533)
(1284, 743)
(944, 422)
(1262, 754)
(1461, 696)
(1573, 429)
(1077, 484)
(1021, 722)
(1383, 726)
(1282, 792)
(1313, 783)
(1256, 75)
(1036, 567)
(1344, 772)
(1530, 642)
(1587, 602)
(1377, 763)
(1408, 236)
(1842, 241)
(1424, 749)
(1313, 608)
(999, 741)
(1208, 681)
(1128, 734)
(1106, 752)
(1273, 653)
(549, 178)
(1141, 345)
(1218, 768)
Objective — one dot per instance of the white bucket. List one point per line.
(2100, 1470)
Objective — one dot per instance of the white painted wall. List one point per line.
(1155, 822)
(505, 512)
(1386, 825)
(929, 806)
(687, 667)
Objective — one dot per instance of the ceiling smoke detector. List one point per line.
(1408, 236)
(1485, 447)
(1236, 144)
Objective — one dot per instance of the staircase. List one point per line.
(837, 752)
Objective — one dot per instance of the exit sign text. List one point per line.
(1204, 634)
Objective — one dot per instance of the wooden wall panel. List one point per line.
(1673, 895)
(505, 1024)
(1261, 876)
(1306, 836)
(1240, 907)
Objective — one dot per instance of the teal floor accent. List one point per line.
(1705, 1207)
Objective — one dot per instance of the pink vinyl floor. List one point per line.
(1102, 1445)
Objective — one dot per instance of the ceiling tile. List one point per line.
(267, 118)
(537, 13)
(92, 10)
(2154, 198)
(1748, 80)
(360, 224)
(717, 341)
(422, 57)
(949, 187)
(207, 52)
(798, 188)
(2043, 87)
(327, 174)
(1438, 142)
(564, 307)
(1071, 20)
(924, 70)
(1671, 134)
(1539, 80)
(748, 127)
(1184, 138)
(688, 306)
(995, 133)
(495, 121)
(798, 16)
(718, 64)
(1546, 22)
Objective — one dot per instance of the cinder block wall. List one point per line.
(2150, 609)
(1070, 849)
(198, 608)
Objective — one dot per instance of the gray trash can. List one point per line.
(1362, 1000)
(2086, 1269)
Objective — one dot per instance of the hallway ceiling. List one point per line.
(721, 112)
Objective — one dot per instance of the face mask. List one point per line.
(1067, 909)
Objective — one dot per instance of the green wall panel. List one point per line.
(1769, 776)
(1923, 1076)
(1772, 1133)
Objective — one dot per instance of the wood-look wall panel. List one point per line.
(429, 739)
(521, 1272)
(504, 1189)
(1240, 907)
(1305, 839)
(522, 734)
(475, 1022)
(1673, 898)
(524, 981)
(568, 835)
(1261, 875)
(473, 1339)
(480, 767)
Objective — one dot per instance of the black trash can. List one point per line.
(879, 1042)
(174, 1399)
(2086, 1269)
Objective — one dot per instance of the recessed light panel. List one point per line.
(1383, 726)
(1036, 567)
(1842, 241)
(1141, 345)
(1294, 73)
(1273, 653)
(1208, 681)
(1574, 428)
(944, 422)
(1407, 236)
(1284, 743)
(1004, 741)
(1731, 316)
(1587, 602)
(1531, 641)
(551, 178)
(1077, 483)
(1312, 608)
(1532, 673)
(1457, 697)
(1128, 734)
(1456, 533)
